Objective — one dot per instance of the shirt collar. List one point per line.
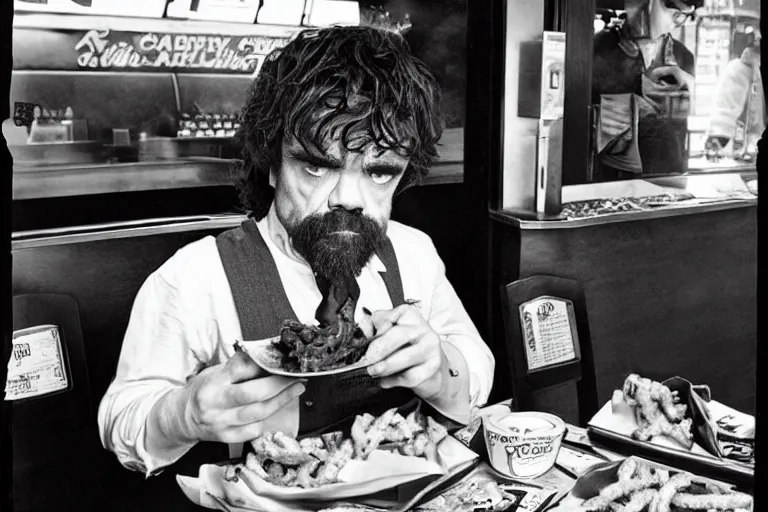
(376, 264)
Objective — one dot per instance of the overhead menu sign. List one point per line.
(110, 50)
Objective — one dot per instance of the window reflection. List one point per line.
(676, 87)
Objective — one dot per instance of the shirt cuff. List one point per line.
(480, 372)
(150, 463)
(153, 464)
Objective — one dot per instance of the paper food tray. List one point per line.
(382, 471)
(614, 431)
(592, 482)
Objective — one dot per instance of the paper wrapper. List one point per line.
(624, 423)
(594, 481)
(711, 444)
(382, 471)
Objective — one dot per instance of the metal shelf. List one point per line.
(76, 180)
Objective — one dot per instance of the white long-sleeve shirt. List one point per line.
(739, 86)
(184, 315)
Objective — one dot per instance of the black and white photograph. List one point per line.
(382, 255)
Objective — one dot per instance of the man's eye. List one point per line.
(380, 178)
(314, 171)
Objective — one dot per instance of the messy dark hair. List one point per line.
(360, 84)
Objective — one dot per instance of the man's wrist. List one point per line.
(433, 388)
(169, 424)
(451, 396)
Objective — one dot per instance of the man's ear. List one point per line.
(272, 178)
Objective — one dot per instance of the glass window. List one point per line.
(676, 87)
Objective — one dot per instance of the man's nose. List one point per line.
(347, 194)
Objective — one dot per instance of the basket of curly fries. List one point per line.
(673, 422)
(637, 485)
(378, 453)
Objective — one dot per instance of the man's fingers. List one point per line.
(385, 319)
(401, 360)
(664, 70)
(240, 368)
(651, 82)
(412, 378)
(391, 341)
(260, 411)
(257, 390)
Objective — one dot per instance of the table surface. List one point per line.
(556, 483)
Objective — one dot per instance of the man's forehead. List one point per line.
(336, 149)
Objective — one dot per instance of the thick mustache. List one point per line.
(340, 222)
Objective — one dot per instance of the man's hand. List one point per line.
(410, 352)
(227, 402)
(671, 76)
(713, 149)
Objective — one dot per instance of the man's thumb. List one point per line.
(240, 368)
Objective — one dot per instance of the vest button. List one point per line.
(308, 403)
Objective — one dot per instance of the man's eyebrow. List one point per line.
(383, 168)
(315, 159)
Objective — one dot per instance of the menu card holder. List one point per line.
(37, 315)
(547, 332)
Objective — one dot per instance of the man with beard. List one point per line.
(336, 123)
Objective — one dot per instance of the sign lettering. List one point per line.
(104, 49)
(20, 351)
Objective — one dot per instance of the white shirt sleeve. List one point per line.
(450, 320)
(158, 355)
(729, 99)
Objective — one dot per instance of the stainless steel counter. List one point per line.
(518, 219)
(710, 192)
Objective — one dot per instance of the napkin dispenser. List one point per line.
(541, 95)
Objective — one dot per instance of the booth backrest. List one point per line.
(100, 268)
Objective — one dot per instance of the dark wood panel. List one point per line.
(577, 21)
(482, 151)
(505, 265)
(666, 297)
(442, 211)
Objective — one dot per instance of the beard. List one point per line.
(338, 244)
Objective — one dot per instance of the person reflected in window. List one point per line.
(639, 56)
(738, 113)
